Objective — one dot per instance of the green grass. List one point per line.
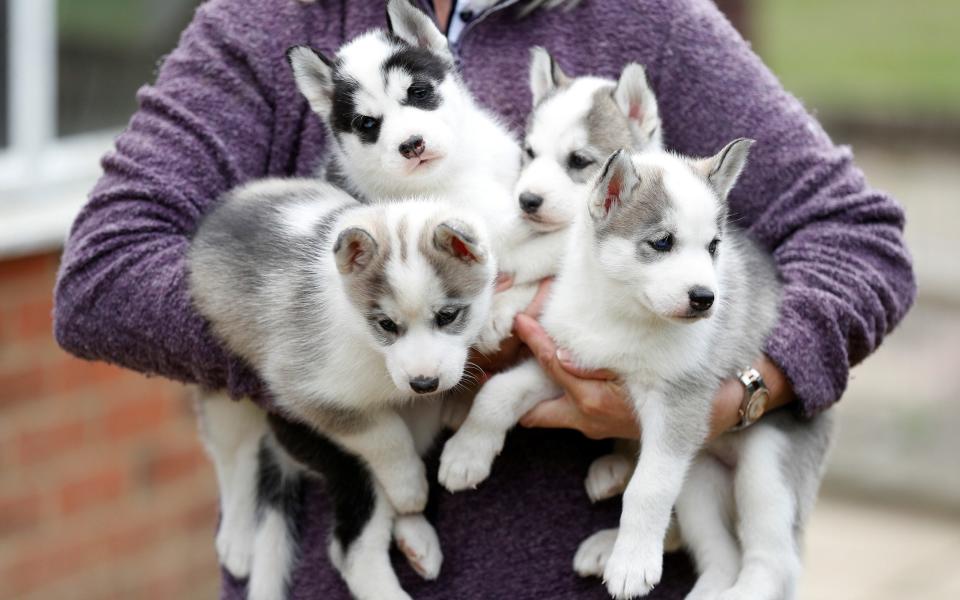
(879, 56)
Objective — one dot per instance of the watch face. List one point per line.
(757, 404)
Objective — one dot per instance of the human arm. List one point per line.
(209, 123)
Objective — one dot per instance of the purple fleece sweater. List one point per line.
(225, 110)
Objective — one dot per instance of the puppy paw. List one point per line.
(499, 327)
(235, 543)
(466, 461)
(418, 541)
(633, 569)
(607, 476)
(593, 553)
(407, 488)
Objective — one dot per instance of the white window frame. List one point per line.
(44, 180)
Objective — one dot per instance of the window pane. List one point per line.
(3, 73)
(106, 50)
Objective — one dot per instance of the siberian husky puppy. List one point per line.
(404, 123)
(657, 285)
(357, 317)
(575, 124)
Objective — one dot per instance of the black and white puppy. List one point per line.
(358, 317)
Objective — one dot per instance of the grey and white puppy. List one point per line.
(357, 317)
(658, 286)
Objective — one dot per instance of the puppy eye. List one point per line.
(388, 325)
(579, 161)
(419, 92)
(712, 248)
(364, 123)
(447, 315)
(664, 244)
(530, 153)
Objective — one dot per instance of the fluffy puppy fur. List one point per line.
(682, 300)
(358, 318)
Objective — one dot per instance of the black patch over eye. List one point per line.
(578, 161)
(529, 152)
(664, 244)
(447, 315)
(712, 248)
(388, 325)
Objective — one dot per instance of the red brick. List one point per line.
(104, 486)
(137, 415)
(18, 385)
(20, 512)
(44, 443)
(34, 319)
(29, 267)
(169, 465)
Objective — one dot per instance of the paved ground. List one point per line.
(888, 524)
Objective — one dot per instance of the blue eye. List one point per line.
(364, 122)
(664, 244)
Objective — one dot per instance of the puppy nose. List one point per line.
(701, 298)
(413, 147)
(530, 202)
(424, 385)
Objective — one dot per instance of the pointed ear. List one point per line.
(459, 240)
(637, 102)
(614, 185)
(413, 26)
(723, 168)
(354, 250)
(313, 73)
(545, 74)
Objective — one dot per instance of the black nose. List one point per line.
(530, 202)
(466, 15)
(414, 146)
(701, 298)
(424, 385)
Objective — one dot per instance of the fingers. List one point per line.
(536, 305)
(559, 413)
(504, 282)
(570, 366)
(543, 349)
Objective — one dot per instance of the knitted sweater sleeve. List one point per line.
(205, 126)
(837, 242)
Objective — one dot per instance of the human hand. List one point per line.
(595, 402)
(512, 348)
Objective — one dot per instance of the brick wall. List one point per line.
(104, 488)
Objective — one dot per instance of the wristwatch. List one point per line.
(756, 396)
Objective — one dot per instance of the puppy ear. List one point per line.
(613, 186)
(723, 168)
(459, 240)
(313, 73)
(413, 26)
(354, 250)
(637, 102)
(545, 74)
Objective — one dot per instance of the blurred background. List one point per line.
(104, 489)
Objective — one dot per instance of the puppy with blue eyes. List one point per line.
(659, 287)
(358, 318)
